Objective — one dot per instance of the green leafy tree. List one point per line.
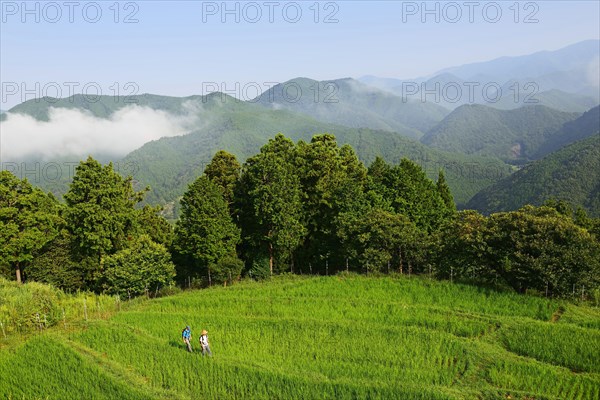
(28, 220)
(463, 249)
(536, 248)
(142, 265)
(272, 207)
(205, 233)
(382, 240)
(413, 194)
(228, 269)
(54, 264)
(154, 225)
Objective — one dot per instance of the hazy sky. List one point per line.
(185, 48)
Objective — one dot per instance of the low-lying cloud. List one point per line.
(77, 133)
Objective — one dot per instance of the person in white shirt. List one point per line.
(204, 343)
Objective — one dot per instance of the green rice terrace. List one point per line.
(338, 337)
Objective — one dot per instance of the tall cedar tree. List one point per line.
(272, 210)
(224, 171)
(332, 181)
(100, 213)
(205, 233)
(445, 193)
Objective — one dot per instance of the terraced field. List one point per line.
(342, 337)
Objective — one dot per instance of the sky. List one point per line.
(192, 47)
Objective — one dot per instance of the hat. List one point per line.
(204, 331)
(187, 327)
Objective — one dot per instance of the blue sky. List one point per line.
(183, 48)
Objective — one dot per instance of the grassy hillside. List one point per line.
(314, 338)
(351, 103)
(513, 135)
(571, 174)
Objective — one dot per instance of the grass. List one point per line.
(320, 338)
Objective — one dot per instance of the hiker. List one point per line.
(204, 343)
(186, 336)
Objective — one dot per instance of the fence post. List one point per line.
(85, 309)
(326, 267)
(346, 264)
(64, 318)
(3, 331)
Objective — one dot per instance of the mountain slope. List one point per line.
(219, 121)
(351, 103)
(571, 174)
(570, 68)
(565, 79)
(508, 134)
(104, 106)
(168, 165)
(585, 126)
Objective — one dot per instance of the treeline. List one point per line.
(294, 207)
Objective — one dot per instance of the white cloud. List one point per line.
(77, 133)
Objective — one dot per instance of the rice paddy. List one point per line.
(341, 337)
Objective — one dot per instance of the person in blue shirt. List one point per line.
(186, 336)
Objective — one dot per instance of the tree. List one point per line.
(273, 208)
(142, 265)
(381, 239)
(54, 264)
(154, 225)
(100, 209)
(333, 182)
(224, 171)
(463, 249)
(413, 194)
(539, 248)
(444, 191)
(532, 248)
(28, 220)
(205, 233)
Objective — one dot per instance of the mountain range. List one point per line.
(512, 135)
(565, 79)
(478, 146)
(571, 174)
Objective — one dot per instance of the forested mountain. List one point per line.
(219, 122)
(571, 174)
(513, 135)
(168, 165)
(554, 98)
(585, 126)
(351, 103)
(104, 106)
